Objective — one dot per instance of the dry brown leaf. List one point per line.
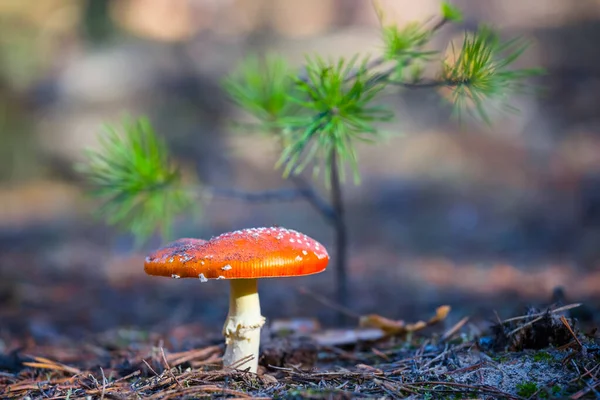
(399, 327)
(389, 326)
(268, 379)
(440, 314)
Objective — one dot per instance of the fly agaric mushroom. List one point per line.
(243, 257)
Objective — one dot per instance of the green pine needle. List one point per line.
(479, 74)
(337, 109)
(404, 42)
(451, 13)
(131, 173)
(262, 86)
(405, 47)
(402, 45)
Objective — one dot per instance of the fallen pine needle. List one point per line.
(45, 363)
(162, 352)
(566, 324)
(452, 331)
(556, 310)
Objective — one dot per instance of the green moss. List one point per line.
(501, 358)
(543, 356)
(556, 390)
(527, 389)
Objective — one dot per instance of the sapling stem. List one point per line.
(243, 324)
(341, 235)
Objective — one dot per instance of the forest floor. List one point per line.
(79, 319)
(539, 355)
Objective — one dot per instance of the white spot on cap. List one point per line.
(201, 262)
(298, 258)
(226, 268)
(304, 252)
(202, 278)
(171, 259)
(175, 276)
(292, 240)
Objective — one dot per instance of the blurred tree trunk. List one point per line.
(97, 24)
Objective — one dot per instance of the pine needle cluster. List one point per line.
(318, 115)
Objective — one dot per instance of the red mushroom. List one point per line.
(243, 257)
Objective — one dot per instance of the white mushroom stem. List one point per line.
(243, 324)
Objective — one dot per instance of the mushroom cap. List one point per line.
(244, 254)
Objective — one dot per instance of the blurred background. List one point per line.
(479, 218)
